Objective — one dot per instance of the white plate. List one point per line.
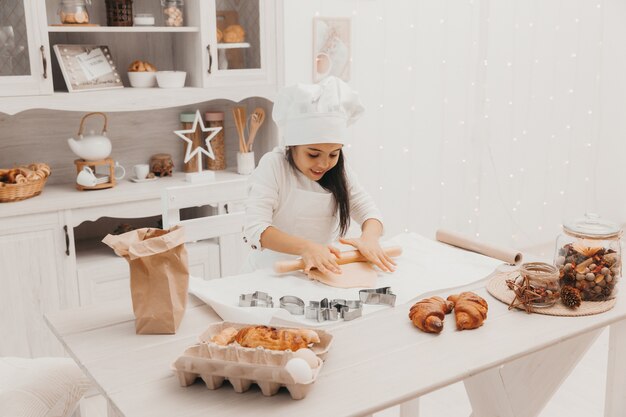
(134, 179)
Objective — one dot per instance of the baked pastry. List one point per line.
(220, 35)
(428, 314)
(234, 34)
(470, 310)
(225, 337)
(23, 175)
(141, 66)
(267, 337)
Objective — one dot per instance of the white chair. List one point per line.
(40, 387)
(226, 225)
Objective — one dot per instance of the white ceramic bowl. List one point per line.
(171, 79)
(142, 79)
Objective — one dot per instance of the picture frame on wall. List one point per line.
(332, 50)
(87, 67)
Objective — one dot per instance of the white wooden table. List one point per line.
(511, 366)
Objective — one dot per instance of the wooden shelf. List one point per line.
(123, 29)
(65, 196)
(233, 45)
(132, 99)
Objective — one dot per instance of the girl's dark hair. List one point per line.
(334, 180)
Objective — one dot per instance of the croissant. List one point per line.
(470, 310)
(275, 339)
(428, 314)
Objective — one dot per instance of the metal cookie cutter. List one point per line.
(378, 296)
(256, 299)
(348, 309)
(292, 304)
(321, 311)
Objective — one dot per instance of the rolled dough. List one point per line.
(355, 275)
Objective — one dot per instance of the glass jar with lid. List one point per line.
(74, 11)
(173, 12)
(588, 255)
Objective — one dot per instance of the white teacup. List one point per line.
(86, 177)
(141, 171)
(323, 64)
(119, 171)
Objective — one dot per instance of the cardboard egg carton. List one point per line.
(242, 366)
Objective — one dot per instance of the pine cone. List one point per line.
(570, 297)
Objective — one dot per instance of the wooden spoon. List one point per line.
(256, 120)
(238, 112)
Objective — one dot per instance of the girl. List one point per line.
(302, 196)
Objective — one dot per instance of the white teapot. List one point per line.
(91, 147)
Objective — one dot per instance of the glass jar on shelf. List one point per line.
(588, 255)
(73, 12)
(173, 12)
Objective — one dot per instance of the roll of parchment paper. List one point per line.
(508, 255)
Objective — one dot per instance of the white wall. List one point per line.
(496, 118)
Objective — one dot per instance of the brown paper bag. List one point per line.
(159, 276)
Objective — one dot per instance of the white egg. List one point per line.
(299, 370)
(309, 356)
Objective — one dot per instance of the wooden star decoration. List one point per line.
(524, 294)
(199, 150)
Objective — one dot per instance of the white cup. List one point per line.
(245, 163)
(86, 177)
(119, 171)
(323, 64)
(141, 171)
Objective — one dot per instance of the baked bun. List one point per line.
(234, 34)
(220, 35)
(141, 66)
(24, 174)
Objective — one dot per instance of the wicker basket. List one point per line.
(119, 12)
(18, 192)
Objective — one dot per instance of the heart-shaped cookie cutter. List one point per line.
(293, 304)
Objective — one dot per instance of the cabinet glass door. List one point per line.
(22, 57)
(238, 34)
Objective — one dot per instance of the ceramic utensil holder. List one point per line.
(245, 163)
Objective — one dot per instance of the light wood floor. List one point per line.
(581, 395)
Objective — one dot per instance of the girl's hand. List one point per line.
(371, 250)
(322, 257)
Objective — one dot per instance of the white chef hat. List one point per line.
(316, 113)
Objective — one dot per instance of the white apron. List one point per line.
(306, 214)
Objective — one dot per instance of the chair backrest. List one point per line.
(195, 195)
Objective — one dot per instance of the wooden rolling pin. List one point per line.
(346, 257)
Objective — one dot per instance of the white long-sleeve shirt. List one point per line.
(273, 188)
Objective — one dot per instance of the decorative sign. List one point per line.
(198, 151)
(87, 67)
(331, 48)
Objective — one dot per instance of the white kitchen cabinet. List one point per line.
(103, 276)
(24, 51)
(43, 268)
(32, 282)
(254, 67)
